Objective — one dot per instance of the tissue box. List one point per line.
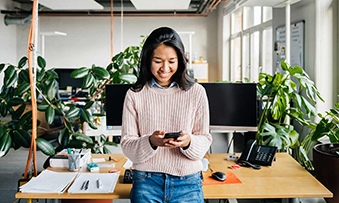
(92, 167)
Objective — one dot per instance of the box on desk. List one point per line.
(61, 159)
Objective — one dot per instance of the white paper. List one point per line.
(97, 160)
(49, 182)
(106, 165)
(128, 164)
(108, 182)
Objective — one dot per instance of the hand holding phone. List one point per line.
(173, 135)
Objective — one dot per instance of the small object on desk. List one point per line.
(99, 184)
(109, 158)
(83, 185)
(248, 164)
(128, 176)
(220, 176)
(87, 184)
(92, 167)
(106, 165)
(234, 167)
(97, 160)
(114, 171)
(128, 164)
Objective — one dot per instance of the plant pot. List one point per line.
(326, 164)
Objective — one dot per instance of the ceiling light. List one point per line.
(161, 4)
(71, 4)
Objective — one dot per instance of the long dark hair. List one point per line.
(169, 37)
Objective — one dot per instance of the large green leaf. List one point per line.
(9, 72)
(294, 136)
(22, 88)
(91, 124)
(63, 137)
(26, 135)
(51, 90)
(41, 75)
(72, 113)
(100, 72)
(10, 76)
(15, 101)
(82, 137)
(24, 75)
(20, 139)
(41, 62)
(45, 146)
(128, 77)
(88, 105)
(85, 116)
(2, 66)
(50, 114)
(106, 150)
(17, 114)
(111, 143)
(43, 106)
(87, 82)
(51, 74)
(80, 73)
(284, 65)
(5, 144)
(22, 62)
(295, 70)
(3, 109)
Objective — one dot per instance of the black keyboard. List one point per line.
(128, 176)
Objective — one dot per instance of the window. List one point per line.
(249, 43)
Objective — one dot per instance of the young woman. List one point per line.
(165, 99)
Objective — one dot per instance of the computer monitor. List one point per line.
(66, 80)
(232, 106)
(115, 97)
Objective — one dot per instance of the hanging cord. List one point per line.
(33, 99)
(111, 29)
(122, 25)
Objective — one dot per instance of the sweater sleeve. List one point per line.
(201, 139)
(137, 148)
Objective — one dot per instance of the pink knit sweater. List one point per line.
(169, 110)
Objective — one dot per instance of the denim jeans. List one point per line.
(163, 188)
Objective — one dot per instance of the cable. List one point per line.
(228, 148)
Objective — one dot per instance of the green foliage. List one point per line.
(277, 93)
(16, 92)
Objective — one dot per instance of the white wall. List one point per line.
(8, 51)
(88, 38)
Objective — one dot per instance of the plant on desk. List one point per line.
(276, 94)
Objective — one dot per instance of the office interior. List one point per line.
(219, 40)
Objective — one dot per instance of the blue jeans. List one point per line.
(163, 188)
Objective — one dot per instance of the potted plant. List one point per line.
(276, 94)
(15, 94)
(326, 156)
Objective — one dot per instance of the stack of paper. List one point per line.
(107, 180)
(49, 182)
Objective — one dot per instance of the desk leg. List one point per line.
(290, 200)
(229, 139)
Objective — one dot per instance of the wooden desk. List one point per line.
(285, 179)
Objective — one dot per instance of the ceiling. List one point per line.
(195, 8)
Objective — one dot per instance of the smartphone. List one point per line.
(174, 135)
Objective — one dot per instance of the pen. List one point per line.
(87, 183)
(99, 185)
(83, 185)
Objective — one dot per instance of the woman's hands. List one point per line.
(182, 141)
(157, 140)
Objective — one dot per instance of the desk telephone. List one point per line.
(257, 155)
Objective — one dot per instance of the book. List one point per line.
(92, 167)
(61, 159)
(49, 182)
